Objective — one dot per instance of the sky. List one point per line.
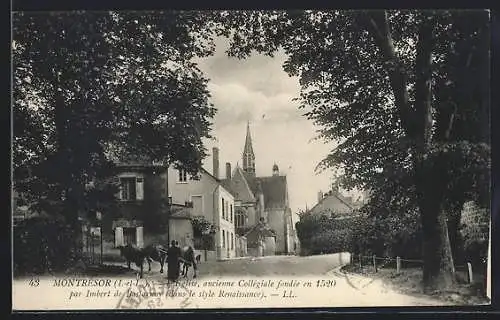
(258, 90)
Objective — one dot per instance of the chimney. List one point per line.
(228, 171)
(215, 155)
(320, 196)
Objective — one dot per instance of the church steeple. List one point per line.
(248, 155)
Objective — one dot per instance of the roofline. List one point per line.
(180, 218)
(336, 196)
(246, 183)
(138, 165)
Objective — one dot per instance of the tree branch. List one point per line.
(378, 27)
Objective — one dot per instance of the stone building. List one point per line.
(262, 207)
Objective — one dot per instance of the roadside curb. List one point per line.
(357, 282)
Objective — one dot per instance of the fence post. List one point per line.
(469, 269)
(398, 264)
(374, 262)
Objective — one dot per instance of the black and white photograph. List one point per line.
(184, 159)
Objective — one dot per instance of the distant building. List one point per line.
(334, 202)
(263, 212)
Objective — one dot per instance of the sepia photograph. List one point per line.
(250, 159)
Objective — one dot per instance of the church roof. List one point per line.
(262, 229)
(239, 187)
(273, 187)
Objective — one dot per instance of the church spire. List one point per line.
(248, 155)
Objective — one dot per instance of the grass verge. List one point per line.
(409, 282)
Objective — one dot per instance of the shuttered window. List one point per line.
(131, 188)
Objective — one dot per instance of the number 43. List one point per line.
(34, 282)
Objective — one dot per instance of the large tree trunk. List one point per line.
(430, 171)
(438, 262)
(417, 123)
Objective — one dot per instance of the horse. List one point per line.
(133, 254)
(188, 259)
(155, 253)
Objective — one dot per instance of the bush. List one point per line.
(325, 234)
(44, 245)
(367, 234)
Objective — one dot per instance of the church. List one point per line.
(262, 210)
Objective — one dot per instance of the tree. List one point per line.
(203, 231)
(404, 92)
(93, 87)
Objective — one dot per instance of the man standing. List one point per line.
(180, 257)
(173, 260)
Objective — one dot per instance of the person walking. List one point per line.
(173, 258)
(180, 258)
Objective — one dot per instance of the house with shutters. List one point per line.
(143, 207)
(156, 205)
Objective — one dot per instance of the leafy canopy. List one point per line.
(93, 88)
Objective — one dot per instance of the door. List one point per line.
(129, 236)
(197, 205)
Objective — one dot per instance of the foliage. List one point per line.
(370, 232)
(93, 87)
(203, 232)
(475, 236)
(405, 95)
(43, 245)
(326, 233)
(201, 226)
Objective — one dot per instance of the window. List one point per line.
(223, 209)
(232, 241)
(131, 188)
(223, 238)
(231, 212)
(227, 210)
(182, 176)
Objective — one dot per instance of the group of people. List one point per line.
(174, 256)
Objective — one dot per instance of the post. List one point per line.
(92, 246)
(469, 269)
(100, 232)
(374, 262)
(398, 264)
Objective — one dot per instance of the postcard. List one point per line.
(250, 159)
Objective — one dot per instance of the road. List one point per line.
(343, 290)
